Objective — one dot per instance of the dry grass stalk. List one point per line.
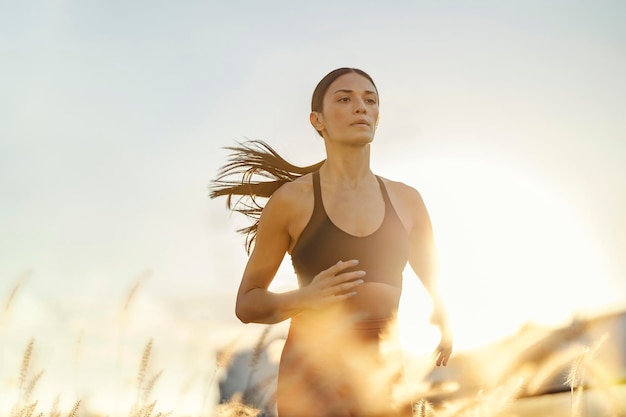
(258, 348)
(143, 366)
(123, 319)
(4, 317)
(251, 391)
(143, 276)
(74, 411)
(54, 410)
(26, 411)
(235, 408)
(124, 312)
(577, 375)
(20, 281)
(487, 403)
(224, 358)
(145, 385)
(548, 368)
(25, 363)
(26, 386)
(147, 389)
(255, 393)
(423, 408)
(144, 411)
(77, 363)
(28, 391)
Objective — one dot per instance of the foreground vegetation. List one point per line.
(511, 378)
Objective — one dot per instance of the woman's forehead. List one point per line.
(352, 82)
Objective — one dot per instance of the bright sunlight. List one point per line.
(512, 250)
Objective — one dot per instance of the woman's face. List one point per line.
(350, 111)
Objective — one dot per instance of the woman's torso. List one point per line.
(382, 250)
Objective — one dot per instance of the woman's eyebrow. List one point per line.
(352, 91)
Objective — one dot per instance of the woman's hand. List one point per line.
(443, 351)
(332, 285)
(439, 318)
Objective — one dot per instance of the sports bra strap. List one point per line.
(317, 188)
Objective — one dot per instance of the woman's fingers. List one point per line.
(341, 297)
(340, 281)
(340, 266)
(345, 278)
(334, 284)
(443, 352)
(347, 285)
(334, 276)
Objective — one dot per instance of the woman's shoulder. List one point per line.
(293, 194)
(408, 204)
(294, 189)
(402, 191)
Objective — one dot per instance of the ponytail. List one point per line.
(252, 159)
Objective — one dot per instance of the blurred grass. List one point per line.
(503, 380)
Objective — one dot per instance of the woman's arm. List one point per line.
(255, 303)
(424, 260)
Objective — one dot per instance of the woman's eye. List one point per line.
(371, 101)
(344, 99)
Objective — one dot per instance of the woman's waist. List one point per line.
(374, 301)
(374, 305)
(330, 328)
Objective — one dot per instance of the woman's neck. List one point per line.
(348, 166)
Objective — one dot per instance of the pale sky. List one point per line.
(113, 115)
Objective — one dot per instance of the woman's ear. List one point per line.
(316, 121)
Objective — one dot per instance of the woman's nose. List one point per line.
(359, 107)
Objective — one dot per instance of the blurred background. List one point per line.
(508, 118)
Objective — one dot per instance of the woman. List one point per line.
(350, 235)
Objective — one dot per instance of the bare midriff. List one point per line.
(375, 300)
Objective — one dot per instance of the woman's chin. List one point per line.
(360, 140)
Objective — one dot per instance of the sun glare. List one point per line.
(512, 251)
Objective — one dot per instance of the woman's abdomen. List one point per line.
(375, 300)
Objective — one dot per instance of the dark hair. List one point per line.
(255, 158)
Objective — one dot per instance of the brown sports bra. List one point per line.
(382, 254)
